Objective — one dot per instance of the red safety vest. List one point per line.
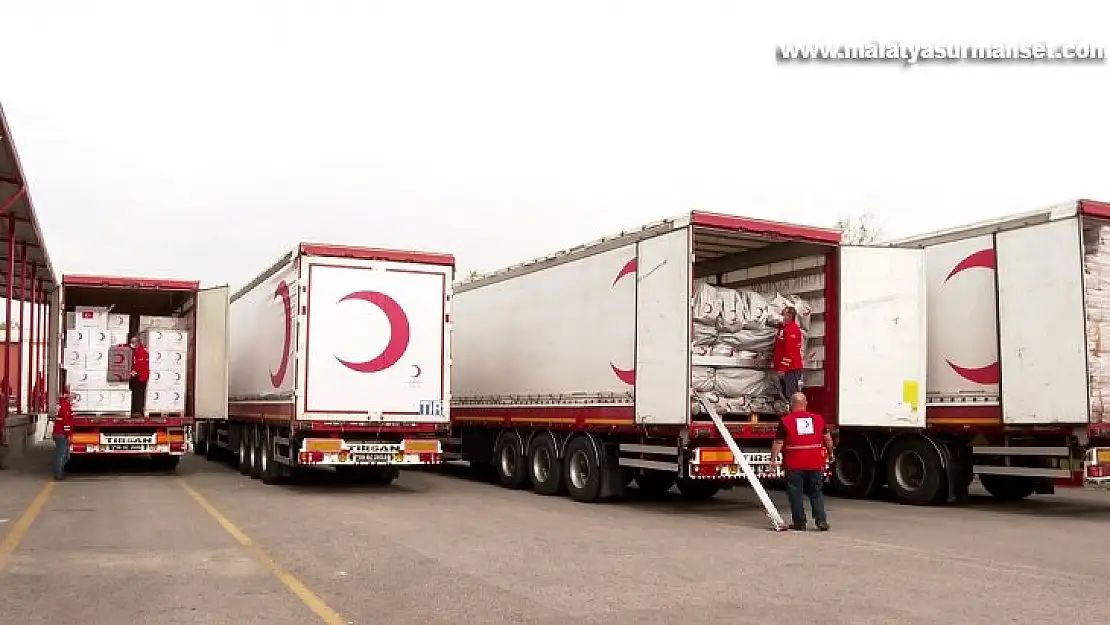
(804, 447)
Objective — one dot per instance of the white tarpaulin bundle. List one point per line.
(1096, 269)
(703, 379)
(736, 382)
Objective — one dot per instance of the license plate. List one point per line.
(372, 457)
(129, 447)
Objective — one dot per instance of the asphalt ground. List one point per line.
(118, 545)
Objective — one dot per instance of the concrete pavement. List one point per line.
(212, 546)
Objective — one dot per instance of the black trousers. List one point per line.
(138, 396)
(791, 383)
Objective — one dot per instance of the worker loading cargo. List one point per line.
(139, 375)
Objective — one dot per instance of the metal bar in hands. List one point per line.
(777, 523)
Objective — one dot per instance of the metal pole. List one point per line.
(8, 279)
(22, 330)
(44, 347)
(32, 348)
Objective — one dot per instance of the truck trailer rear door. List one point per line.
(882, 338)
(663, 329)
(211, 358)
(1041, 324)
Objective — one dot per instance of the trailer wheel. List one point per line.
(855, 473)
(582, 469)
(695, 490)
(511, 467)
(165, 463)
(1009, 487)
(545, 470)
(915, 474)
(654, 483)
(212, 449)
(270, 471)
(244, 455)
(255, 442)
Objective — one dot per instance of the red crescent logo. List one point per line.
(398, 337)
(628, 376)
(992, 373)
(282, 291)
(418, 371)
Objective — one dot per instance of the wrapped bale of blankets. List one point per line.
(739, 325)
(1096, 281)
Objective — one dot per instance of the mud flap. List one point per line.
(612, 478)
(958, 460)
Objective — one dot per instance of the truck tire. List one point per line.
(654, 483)
(1009, 487)
(244, 455)
(915, 475)
(855, 472)
(212, 450)
(382, 476)
(255, 442)
(165, 463)
(697, 490)
(512, 468)
(582, 469)
(545, 470)
(270, 471)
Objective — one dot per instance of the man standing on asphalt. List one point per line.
(140, 373)
(801, 438)
(788, 353)
(63, 427)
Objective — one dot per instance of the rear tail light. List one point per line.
(78, 449)
(311, 457)
(429, 458)
(1099, 470)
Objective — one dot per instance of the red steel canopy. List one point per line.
(16, 200)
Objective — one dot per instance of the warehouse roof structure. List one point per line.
(15, 202)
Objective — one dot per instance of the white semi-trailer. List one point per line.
(339, 358)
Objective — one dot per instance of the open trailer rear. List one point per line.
(340, 357)
(576, 372)
(186, 331)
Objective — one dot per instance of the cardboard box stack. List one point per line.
(89, 346)
(169, 349)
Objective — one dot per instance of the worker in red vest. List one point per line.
(140, 373)
(787, 355)
(63, 429)
(804, 440)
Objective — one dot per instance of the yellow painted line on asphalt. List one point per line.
(15, 536)
(309, 598)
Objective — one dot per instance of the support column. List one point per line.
(44, 348)
(18, 382)
(32, 347)
(9, 275)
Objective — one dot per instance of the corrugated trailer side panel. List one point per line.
(263, 344)
(561, 337)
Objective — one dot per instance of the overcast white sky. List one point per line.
(203, 139)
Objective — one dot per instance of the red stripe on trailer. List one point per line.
(812, 234)
(261, 409)
(128, 421)
(567, 416)
(371, 253)
(1094, 208)
(340, 427)
(122, 282)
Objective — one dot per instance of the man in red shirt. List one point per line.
(63, 426)
(787, 357)
(140, 373)
(803, 438)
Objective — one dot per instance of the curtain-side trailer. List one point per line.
(576, 372)
(1018, 384)
(104, 423)
(340, 357)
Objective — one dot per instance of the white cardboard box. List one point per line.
(167, 360)
(90, 400)
(177, 340)
(165, 400)
(85, 380)
(96, 360)
(166, 380)
(92, 317)
(71, 320)
(99, 339)
(154, 339)
(117, 338)
(119, 400)
(74, 359)
(77, 338)
(160, 323)
(119, 323)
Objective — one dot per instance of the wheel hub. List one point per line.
(849, 467)
(579, 468)
(909, 470)
(508, 460)
(541, 464)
